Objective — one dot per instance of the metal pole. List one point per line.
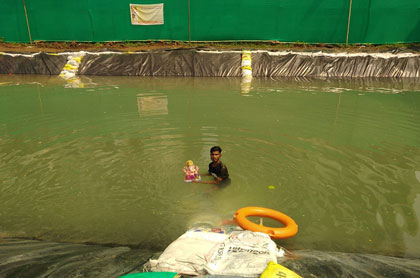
(348, 25)
(189, 22)
(27, 21)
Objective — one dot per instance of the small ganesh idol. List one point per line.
(191, 172)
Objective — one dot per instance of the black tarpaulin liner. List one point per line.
(40, 259)
(217, 64)
(32, 259)
(310, 263)
(264, 64)
(188, 63)
(290, 64)
(116, 64)
(202, 63)
(39, 63)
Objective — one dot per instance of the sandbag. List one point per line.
(186, 255)
(244, 253)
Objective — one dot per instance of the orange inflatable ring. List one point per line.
(289, 230)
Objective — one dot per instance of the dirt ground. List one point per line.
(54, 47)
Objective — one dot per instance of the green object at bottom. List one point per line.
(150, 275)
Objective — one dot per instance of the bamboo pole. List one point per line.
(27, 21)
(348, 25)
(41, 107)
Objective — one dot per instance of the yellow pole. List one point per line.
(189, 21)
(27, 22)
(348, 25)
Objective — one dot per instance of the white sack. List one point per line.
(186, 255)
(244, 253)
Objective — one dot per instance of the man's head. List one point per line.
(215, 153)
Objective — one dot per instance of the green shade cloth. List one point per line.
(379, 22)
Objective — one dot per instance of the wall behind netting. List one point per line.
(312, 21)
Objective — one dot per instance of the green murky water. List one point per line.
(100, 159)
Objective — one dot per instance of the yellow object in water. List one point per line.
(271, 187)
(274, 270)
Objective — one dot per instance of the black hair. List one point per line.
(216, 149)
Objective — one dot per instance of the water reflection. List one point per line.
(417, 173)
(246, 84)
(378, 85)
(152, 105)
(342, 154)
(74, 82)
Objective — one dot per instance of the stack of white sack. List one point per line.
(71, 68)
(201, 251)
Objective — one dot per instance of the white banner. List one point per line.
(146, 14)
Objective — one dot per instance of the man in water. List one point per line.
(216, 168)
